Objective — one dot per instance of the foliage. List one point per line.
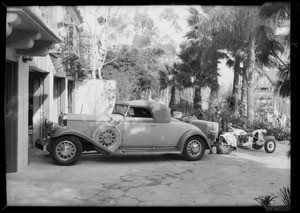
(263, 109)
(265, 201)
(279, 12)
(263, 125)
(283, 86)
(230, 103)
(278, 132)
(185, 107)
(275, 10)
(284, 194)
(72, 43)
(132, 72)
(169, 15)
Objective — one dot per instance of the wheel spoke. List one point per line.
(107, 138)
(194, 148)
(65, 150)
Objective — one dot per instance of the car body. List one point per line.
(133, 127)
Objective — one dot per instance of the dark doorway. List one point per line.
(11, 116)
(58, 89)
(70, 96)
(36, 107)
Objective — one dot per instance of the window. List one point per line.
(140, 112)
(120, 109)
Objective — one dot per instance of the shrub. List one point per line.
(185, 107)
(265, 201)
(285, 195)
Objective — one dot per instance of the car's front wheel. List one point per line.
(193, 148)
(65, 150)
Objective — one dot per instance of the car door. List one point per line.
(139, 128)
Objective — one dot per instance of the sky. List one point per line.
(152, 11)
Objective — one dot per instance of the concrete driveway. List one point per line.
(152, 180)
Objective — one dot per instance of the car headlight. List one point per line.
(212, 135)
(49, 126)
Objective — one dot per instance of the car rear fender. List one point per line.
(191, 133)
(66, 131)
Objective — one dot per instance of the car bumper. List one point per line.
(41, 144)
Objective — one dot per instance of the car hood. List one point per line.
(89, 117)
(184, 124)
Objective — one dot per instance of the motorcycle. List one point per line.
(256, 139)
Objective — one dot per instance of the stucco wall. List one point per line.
(95, 96)
(22, 147)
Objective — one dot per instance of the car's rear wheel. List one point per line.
(270, 145)
(193, 148)
(65, 150)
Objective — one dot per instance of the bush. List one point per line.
(265, 201)
(185, 107)
(261, 125)
(284, 194)
(279, 133)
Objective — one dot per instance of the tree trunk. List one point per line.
(172, 99)
(167, 95)
(243, 106)
(250, 70)
(94, 59)
(235, 85)
(213, 98)
(197, 98)
(149, 95)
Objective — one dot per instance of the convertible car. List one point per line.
(133, 127)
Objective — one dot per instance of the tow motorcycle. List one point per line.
(256, 139)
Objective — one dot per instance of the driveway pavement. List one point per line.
(151, 180)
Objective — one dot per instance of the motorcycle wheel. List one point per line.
(270, 145)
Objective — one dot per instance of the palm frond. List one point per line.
(273, 9)
(193, 17)
(283, 88)
(191, 34)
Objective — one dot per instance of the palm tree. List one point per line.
(234, 60)
(199, 56)
(241, 28)
(168, 78)
(279, 12)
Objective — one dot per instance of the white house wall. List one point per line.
(95, 96)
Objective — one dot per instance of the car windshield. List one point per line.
(120, 109)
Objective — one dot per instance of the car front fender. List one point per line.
(67, 131)
(191, 133)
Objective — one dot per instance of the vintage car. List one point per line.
(133, 127)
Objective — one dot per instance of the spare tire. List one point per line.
(108, 136)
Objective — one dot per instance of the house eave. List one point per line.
(27, 33)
